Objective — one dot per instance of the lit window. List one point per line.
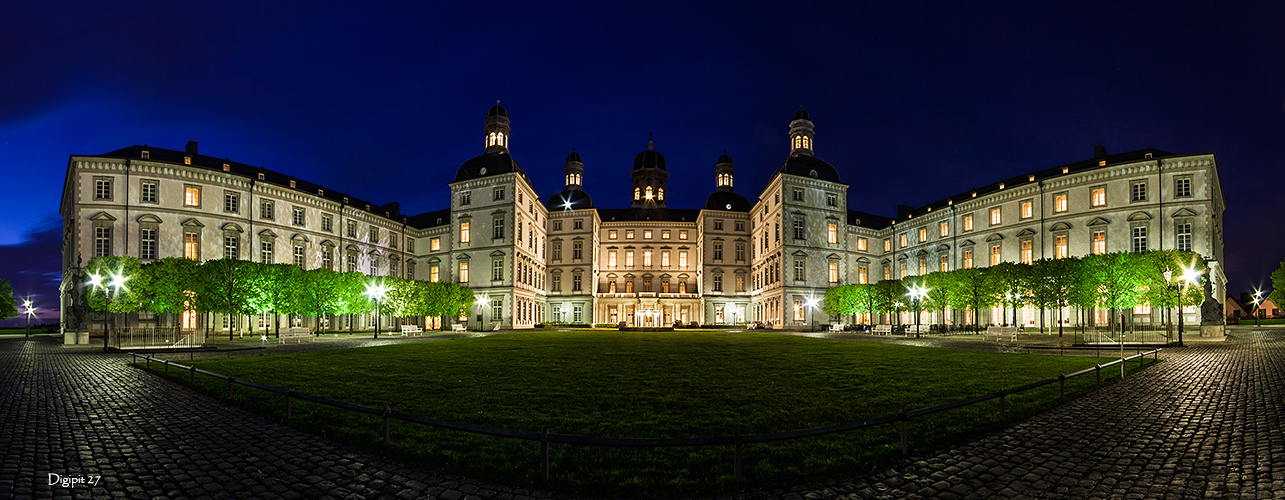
(1059, 246)
(903, 270)
(1098, 196)
(943, 229)
(995, 254)
(682, 258)
(861, 244)
(1059, 202)
(887, 245)
(1027, 246)
(664, 258)
(646, 257)
(923, 234)
(943, 266)
(464, 272)
(661, 194)
(629, 258)
(611, 234)
(832, 234)
(191, 246)
(647, 234)
(629, 234)
(682, 235)
(611, 259)
(923, 267)
(740, 283)
(648, 194)
(995, 216)
(1099, 242)
(192, 196)
(1027, 210)
(834, 272)
(435, 244)
(664, 234)
(863, 274)
(968, 222)
(464, 235)
(968, 259)
(636, 197)
(901, 240)
(434, 273)
(887, 273)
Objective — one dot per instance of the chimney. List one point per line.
(393, 207)
(1099, 152)
(191, 148)
(904, 210)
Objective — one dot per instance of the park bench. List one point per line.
(837, 327)
(918, 329)
(999, 332)
(296, 333)
(411, 330)
(459, 327)
(882, 330)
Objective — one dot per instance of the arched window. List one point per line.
(661, 194)
(499, 139)
(649, 194)
(807, 143)
(636, 191)
(798, 142)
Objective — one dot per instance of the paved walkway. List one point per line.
(1206, 424)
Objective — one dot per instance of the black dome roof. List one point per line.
(497, 110)
(571, 199)
(805, 165)
(488, 164)
(798, 115)
(727, 200)
(725, 159)
(574, 156)
(649, 159)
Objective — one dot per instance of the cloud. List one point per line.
(33, 267)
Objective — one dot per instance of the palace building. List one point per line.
(561, 258)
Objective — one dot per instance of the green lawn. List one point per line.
(616, 384)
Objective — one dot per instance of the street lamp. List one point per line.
(482, 302)
(812, 305)
(376, 292)
(30, 310)
(1258, 298)
(917, 293)
(112, 287)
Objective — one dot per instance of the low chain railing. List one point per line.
(544, 437)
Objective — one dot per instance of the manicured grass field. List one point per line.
(617, 384)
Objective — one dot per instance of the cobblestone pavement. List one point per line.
(1205, 424)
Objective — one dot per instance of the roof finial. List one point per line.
(497, 103)
(650, 144)
(573, 149)
(724, 152)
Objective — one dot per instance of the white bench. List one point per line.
(459, 327)
(411, 330)
(999, 332)
(918, 329)
(882, 330)
(836, 327)
(296, 333)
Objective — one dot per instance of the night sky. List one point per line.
(913, 102)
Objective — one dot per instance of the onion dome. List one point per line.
(727, 201)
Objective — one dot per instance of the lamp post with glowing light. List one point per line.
(376, 292)
(481, 303)
(812, 306)
(917, 293)
(30, 310)
(1258, 299)
(113, 287)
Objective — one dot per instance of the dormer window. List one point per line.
(260, 175)
(147, 155)
(291, 183)
(227, 168)
(187, 160)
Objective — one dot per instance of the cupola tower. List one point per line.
(801, 133)
(497, 129)
(649, 176)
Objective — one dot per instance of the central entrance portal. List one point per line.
(648, 318)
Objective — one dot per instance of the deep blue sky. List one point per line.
(913, 102)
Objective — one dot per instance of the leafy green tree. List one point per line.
(320, 294)
(890, 296)
(173, 285)
(1008, 280)
(351, 289)
(840, 300)
(1052, 284)
(8, 304)
(938, 297)
(1278, 286)
(973, 290)
(1116, 280)
(224, 287)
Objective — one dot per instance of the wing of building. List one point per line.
(564, 259)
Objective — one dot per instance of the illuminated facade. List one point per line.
(562, 259)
